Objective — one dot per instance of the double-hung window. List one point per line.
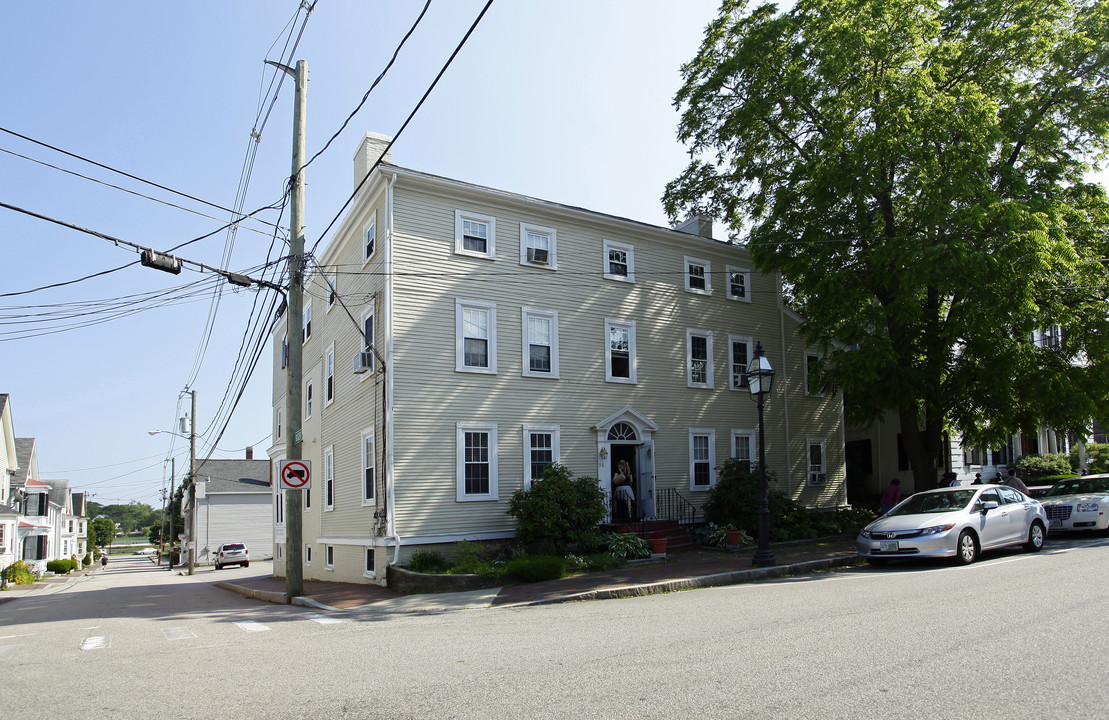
(306, 321)
(477, 462)
(540, 346)
(619, 261)
(284, 350)
(369, 467)
(476, 336)
(537, 246)
(620, 362)
(369, 571)
(332, 289)
(739, 355)
(368, 339)
(702, 459)
(818, 471)
(812, 374)
(743, 443)
(699, 358)
(541, 448)
(329, 376)
(278, 426)
(698, 276)
(739, 284)
(369, 239)
(328, 557)
(329, 479)
(474, 235)
(308, 400)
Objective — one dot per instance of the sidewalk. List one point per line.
(680, 571)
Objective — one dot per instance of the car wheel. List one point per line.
(967, 549)
(877, 561)
(1035, 538)
(246, 564)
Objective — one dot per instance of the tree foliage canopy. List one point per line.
(916, 172)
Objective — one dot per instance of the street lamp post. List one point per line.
(760, 380)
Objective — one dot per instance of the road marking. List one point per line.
(97, 642)
(9, 637)
(6, 651)
(323, 619)
(251, 626)
(178, 633)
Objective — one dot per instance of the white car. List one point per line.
(146, 551)
(1078, 504)
(958, 522)
(232, 554)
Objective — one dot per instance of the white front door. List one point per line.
(646, 464)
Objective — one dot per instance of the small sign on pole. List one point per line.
(295, 475)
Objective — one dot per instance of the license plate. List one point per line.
(888, 546)
(1056, 523)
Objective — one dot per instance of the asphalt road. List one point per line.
(1016, 635)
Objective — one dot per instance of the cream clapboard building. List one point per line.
(515, 332)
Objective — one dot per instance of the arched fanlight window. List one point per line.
(621, 431)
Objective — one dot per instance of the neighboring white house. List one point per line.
(9, 514)
(516, 332)
(233, 500)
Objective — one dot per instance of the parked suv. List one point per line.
(232, 554)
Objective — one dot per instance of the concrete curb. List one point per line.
(735, 577)
(270, 596)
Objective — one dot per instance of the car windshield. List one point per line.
(234, 546)
(1079, 486)
(939, 502)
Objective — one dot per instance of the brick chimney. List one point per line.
(249, 453)
(368, 152)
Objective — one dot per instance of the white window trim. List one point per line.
(491, 246)
(556, 451)
(551, 315)
(307, 553)
(332, 293)
(460, 467)
(712, 459)
(747, 340)
(365, 229)
(823, 460)
(284, 361)
(707, 266)
(329, 374)
(328, 478)
(630, 251)
(308, 397)
(328, 557)
(632, 354)
(460, 343)
(368, 433)
(362, 343)
(805, 360)
(367, 554)
(278, 427)
(552, 236)
(750, 435)
(709, 374)
(306, 322)
(746, 283)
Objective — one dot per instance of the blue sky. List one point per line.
(568, 101)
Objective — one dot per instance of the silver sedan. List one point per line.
(958, 522)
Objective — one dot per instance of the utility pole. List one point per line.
(294, 548)
(192, 486)
(172, 523)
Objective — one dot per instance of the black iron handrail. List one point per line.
(670, 505)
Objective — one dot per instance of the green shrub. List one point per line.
(559, 512)
(471, 558)
(61, 567)
(87, 560)
(735, 499)
(536, 568)
(1034, 466)
(1097, 458)
(428, 561)
(626, 546)
(602, 561)
(21, 573)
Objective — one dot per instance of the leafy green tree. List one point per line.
(102, 531)
(915, 171)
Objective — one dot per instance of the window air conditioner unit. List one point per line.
(363, 362)
(538, 256)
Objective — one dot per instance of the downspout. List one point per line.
(785, 378)
(390, 485)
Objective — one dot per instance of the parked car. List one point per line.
(232, 554)
(1078, 504)
(957, 522)
(146, 551)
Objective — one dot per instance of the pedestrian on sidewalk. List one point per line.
(103, 560)
(1016, 483)
(891, 496)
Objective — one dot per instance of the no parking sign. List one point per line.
(295, 474)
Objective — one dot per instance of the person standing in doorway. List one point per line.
(622, 488)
